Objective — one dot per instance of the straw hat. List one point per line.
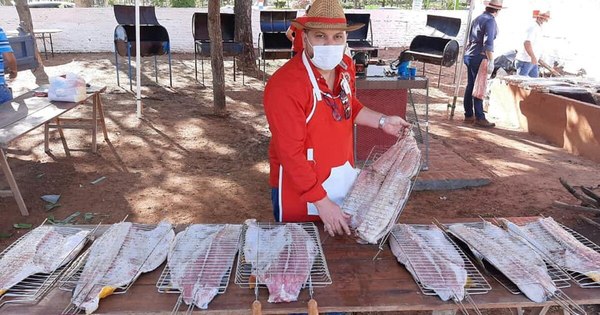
(543, 15)
(325, 14)
(495, 4)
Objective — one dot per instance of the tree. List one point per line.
(27, 23)
(243, 33)
(216, 61)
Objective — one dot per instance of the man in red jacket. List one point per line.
(311, 107)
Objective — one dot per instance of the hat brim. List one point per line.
(326, 26)
(493, 6)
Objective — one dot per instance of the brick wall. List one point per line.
(91, 29)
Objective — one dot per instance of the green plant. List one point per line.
(183, 3)
(280, 4)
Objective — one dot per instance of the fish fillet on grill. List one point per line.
(511, 256)
(374, 217)
(116, 258)
(199, 259)
(42, 250)
(431, 259)
(282, 258)
(561, 246)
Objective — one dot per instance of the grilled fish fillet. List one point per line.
(431, 259)
(511, 256)
(560, 245)
(44, 250)
(122, 253)
(199, 259)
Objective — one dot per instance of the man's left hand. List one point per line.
(395, 125)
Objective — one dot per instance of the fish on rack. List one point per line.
(432, 260)
(117, 258)
(42, 250)
(381, 189)
(560, 246)
(282, 258)
(201, 257)
(511, 256)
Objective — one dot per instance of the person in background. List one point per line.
(8, 64)
(528, 57)
(311, 107)
(480, 46)
(295, 35)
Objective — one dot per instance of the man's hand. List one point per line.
(12, 73)
(395, 125)
(490, 67)
(335, 221)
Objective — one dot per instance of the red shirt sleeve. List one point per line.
(287, 106)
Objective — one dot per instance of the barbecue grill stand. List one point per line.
(437, 50)
(154, 38)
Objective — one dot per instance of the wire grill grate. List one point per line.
(379, 201)
(425, 272)
(74, 273)
(33, 288)
(207, 253)
(268, 249)
(553, 246)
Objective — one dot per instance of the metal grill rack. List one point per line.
(244, 277)
(355, 200)
(33, 288)
(72, 275)
(540, 234)
(516, 270)
(212, 265)
(476, 283)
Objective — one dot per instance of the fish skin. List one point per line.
(528, 272)
(42, 250)
(203, 243)
(441, 267)
(108, 266)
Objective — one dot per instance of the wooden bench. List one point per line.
(28, 112)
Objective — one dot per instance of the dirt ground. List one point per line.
(181, 163)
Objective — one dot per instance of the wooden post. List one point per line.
(216, 48)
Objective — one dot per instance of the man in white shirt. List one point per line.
(528, 57)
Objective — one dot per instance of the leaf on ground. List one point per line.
(88, 216)
(40, 175)
(50, 219)
(51, 206)
(22, 225)
(51, 198)
(5, 235)
(71, 218)
(98, 180)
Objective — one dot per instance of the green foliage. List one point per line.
(158, 3)
(183, 3)
(280, 4)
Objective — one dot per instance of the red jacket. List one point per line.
(288, 102)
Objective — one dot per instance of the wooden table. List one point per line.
(27, 112)
(360, 284)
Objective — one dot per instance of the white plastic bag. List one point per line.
(67, 88)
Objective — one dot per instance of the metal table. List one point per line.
(43, 34)
(393, 83)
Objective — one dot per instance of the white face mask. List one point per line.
(327, 57)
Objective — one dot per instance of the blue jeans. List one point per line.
(275, 201)
(527, 69)
(472, 103)
(5, 93)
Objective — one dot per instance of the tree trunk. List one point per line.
(243, 33)
(27, 23)
(216, 61)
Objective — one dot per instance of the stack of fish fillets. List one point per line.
(114, 261)
(436, 263)
(577, 255)
(515, 259)
(283, 257)
(382, 189)
(199, 263)
(31, 265)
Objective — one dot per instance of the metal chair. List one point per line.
(202, 40)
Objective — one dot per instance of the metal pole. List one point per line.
(452, 106)
(138, 80)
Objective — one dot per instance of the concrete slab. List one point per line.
(448, 170)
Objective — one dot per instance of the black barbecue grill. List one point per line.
(361, 40)
(272, 41)
(154, 39)
(437, 50)
(202, 40)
